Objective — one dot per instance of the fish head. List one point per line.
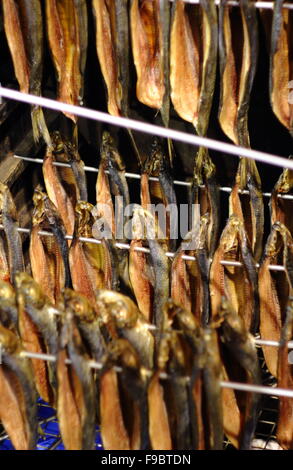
(7, 292)
(8, 340)
(84, 218)
(278, 238)
(230, 237)
(121, 309)
(29, 290)
(39, 198)
(57, 142)
(7, 205)
(79, 305)
(124, 352)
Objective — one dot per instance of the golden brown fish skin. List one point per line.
(129, 323)
(279, 207)
(113, 431)
(237, 84)
(91, 264)
(9, 219)
(63, 28)
(104, 12)
(285, 380)
(184, 65)
(275, 289)
(141, 285)
(76, 391)
(8, 307)
(48, 255)
(147, 49)
(18, 409)
(190, 279)
(57, 193)
(281, 65)
(4, 267)
(249, 208)
(226, 280)
(30, 15)
(208, 197)
(160, 436)
(37, 322)
(16, 43)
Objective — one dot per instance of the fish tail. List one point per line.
(40, 128)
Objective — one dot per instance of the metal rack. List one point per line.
(48, 420)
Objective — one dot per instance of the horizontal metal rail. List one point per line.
(146, 128)
(233, 3)
(137, 176)
(262, 389)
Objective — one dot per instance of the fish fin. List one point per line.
(39, 125)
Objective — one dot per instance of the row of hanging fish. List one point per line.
(174, 47)
(203, 335)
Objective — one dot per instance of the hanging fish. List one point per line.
(8, 306)
(48, 254)
(15, 40)
(67, 35)
(76, 390)
(37, 324)
(129, 323)
(205, 196)
(275, 288)
(238, 283)
(147, 49)
(156, 195)
(240, 363)
(237, 69)
(281, 65)
(193, 61)
(279, 206)
(190, 278)
(18, 404)
(9, 220)
(91, 264)
(285, 380)
(32, 27)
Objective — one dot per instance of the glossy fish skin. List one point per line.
(76, 390)
(285, 380)
(147, 49)
(212, 375)
(235, 90)
(190, 279)
(241, 346)
(130, 324)
(66, 41)
(157, 165)
(8, 307)
(4, 266)
(229, 280)
(46, 216)
(9, 220)
(208, 197)
(57, 193)
(18, 408)
(193, 61)
(171, 358)
(253, 216)
(279, 207)
(135, 383)
(32, 28)
(92, 265)
(38, 316)
(16, 43)
(275, 289)
(87, 322)
(281, 64)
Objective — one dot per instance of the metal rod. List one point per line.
(225, 189)
(233, 3)
(148, 128)
(275, 344)
(281, 392)
(126, 246)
